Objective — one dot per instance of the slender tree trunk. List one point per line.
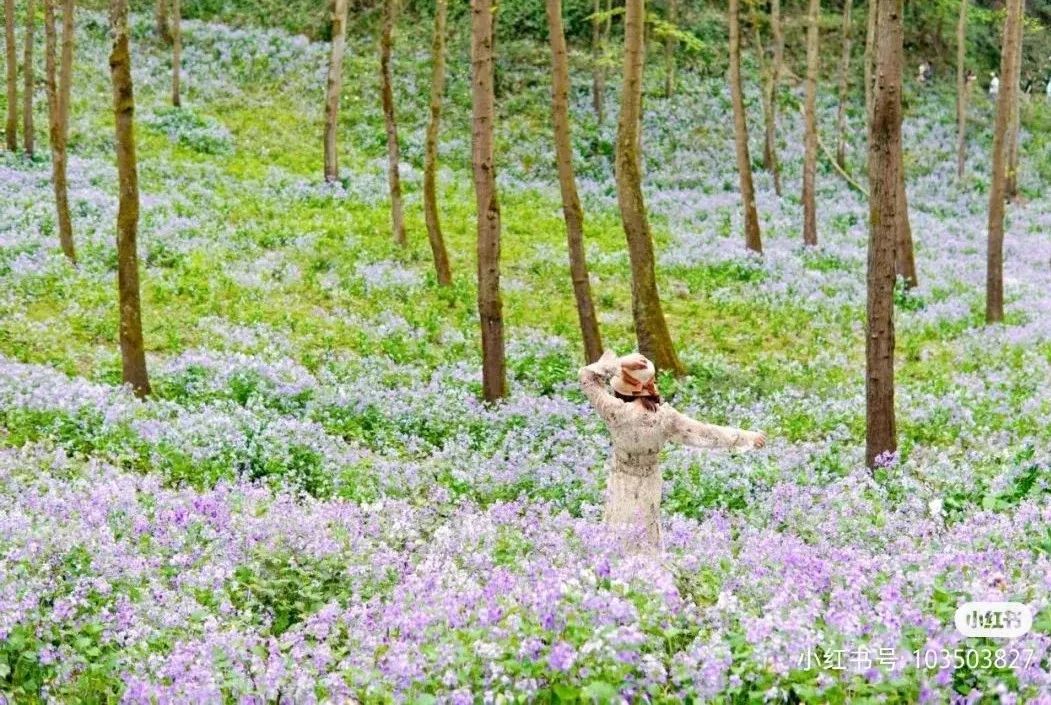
(962, 89)
(133, 356)
(598, 71)
(650, 327)
(884, 226)
(1011, 182)
(994, 283)
(490, 305)
(176, 31)
(58, 114)
(671, 44)
(430, 159)
(752, 239)
(28, 77)
(869, 58)
(161, 26)
(334, 86)
(764, 76)
(844, 74)
(810, 141)
(387, 98)
(11, 128)
(571, 209)
(773, 90)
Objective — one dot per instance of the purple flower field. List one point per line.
(315, 507)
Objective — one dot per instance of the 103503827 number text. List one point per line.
(974, 659)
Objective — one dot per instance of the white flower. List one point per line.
(936, 507)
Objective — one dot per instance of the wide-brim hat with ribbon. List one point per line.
(636, 377)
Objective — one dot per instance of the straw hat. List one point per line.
(636, 377)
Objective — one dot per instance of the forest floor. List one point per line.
(315, 505)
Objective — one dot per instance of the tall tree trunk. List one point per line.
(334, 86)
(650, 327)
(397, 217)
(773, 89)
(176, 25)
(598, 71)
(752, 239)
(133, 357)
(161, 26)
(810, 141)
(571, 209)
(994, 282)
(430, 159)
(58, 90)
(869, 58)
(671, 44)
(884, 227)
(1011, 182)
(11, 127)
(767, 98)
(963, 89)
(844, 70)
(28, 77)
(490, 305)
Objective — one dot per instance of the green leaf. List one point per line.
(600, 691)
(565, 693)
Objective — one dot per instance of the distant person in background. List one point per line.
(926, 73)
(994, 85)
(1048, 90)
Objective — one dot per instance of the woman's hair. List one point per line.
(650, 402)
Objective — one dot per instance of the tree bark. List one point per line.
(904, 255)
(133, 356)
(571, 209)
(490, 305)
(58, 90)
(671, 44)
(334, 86)
(1011, 181)
(11, 126)
(773, 88)
(869, 58)
(844, 70)
(994, 282)
(752, 239)
(176, 31)
(599, 29)
(161, 26)
(810, 141)
(962, 89)
(397, 217)
(884, 227)
(650, 327)
(28, 77)
(430, 159)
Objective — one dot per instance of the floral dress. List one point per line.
(633, 490)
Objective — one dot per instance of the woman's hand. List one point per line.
(757, 438)
(634, 362)
(606, 366)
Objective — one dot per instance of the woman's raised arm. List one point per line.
(593, 379)
(682, 429)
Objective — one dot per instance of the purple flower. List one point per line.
(562, 657)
